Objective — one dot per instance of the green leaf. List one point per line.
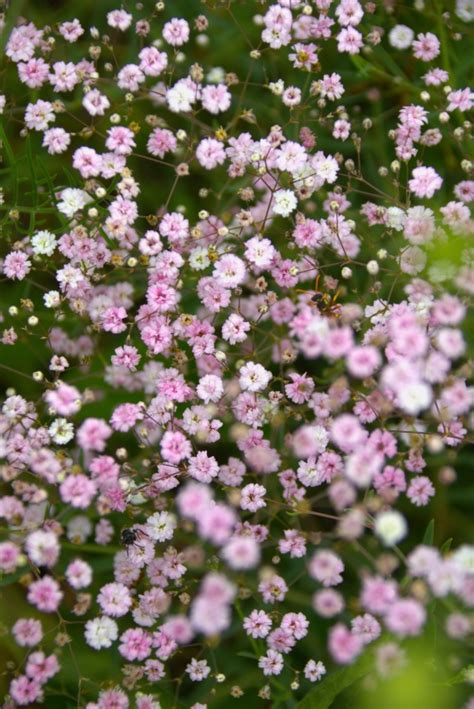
(6, 144)
(250, 655)
(446, 546)
(323, 695)
(428, 536)
(360, 64)
(9, 579)
(461, 676)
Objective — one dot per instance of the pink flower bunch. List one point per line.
(253, 360)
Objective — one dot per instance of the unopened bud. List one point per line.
(372, 267)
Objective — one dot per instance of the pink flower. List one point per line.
(126, 416)
(326, 567)
(344, 646)
(210, 153)
(349, 40)
(273, 589)
(175, 447)
(114, 600)
(252, 497)
(420, 490)
(198, 670)
(126, 356)
(25, 691)
(328, 603)
(65, 400)
(71, 31)
(41, 668)
(257, 624)
(79, 574)
(425, 182)
(57, 140)
(461, 100)
(271, 663)
(120, 140)
(366, 627)
(135, 644)
(300, 389)
(9, 557)
(216, 99)
(405, 617)
(119, 19)
(78, 491)
(176, 32)
(426, 46)
(28, 632)
(241, 552)
(45, 594)
(93, 434)
(16, 265)
(160, 142)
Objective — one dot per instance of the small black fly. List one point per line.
(130, 537)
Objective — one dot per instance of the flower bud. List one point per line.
(372, 267)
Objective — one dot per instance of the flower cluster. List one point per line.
(251, 368)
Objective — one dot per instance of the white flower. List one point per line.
(101, 632)
(326, 167)
(61, 431)
(463, 558)
(390, 527)
(277, 87)
(69, 276)
(210, 388)
(284, 203)
(198, 670)
(52, 299)
(465, 10)
(44, 243)
(254, 377)
(39, 115)
(42, 547)
(414, 397)
(180, 98)
(401, 36)
(199, 259)
(160, 526)
(216, 75)
(314, 670)
(72, 200)
(58, 363)
(412, 260)
(396, 218)
(78, 529)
